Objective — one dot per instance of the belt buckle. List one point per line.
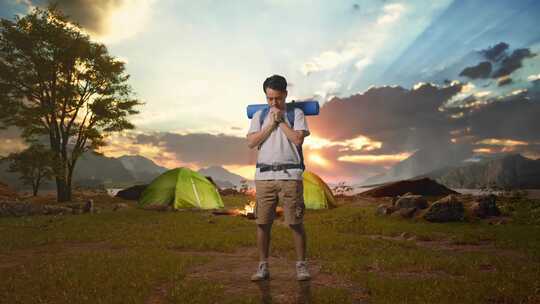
(275, 166)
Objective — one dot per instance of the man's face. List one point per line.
(276, 98)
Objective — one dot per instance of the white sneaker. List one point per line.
(262, 272)
(302, 273)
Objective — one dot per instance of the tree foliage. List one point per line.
(56, 82)
(35, 164)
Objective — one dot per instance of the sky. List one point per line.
(392, 77)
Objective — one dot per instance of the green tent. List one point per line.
(181, 188)
(317, 194)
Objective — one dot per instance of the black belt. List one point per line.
(278, 167)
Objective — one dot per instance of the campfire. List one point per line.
(247, 211)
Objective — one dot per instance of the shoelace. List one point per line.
(262, 268)
(302, 268)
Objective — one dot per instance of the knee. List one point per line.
(264, 227)
(297, 227)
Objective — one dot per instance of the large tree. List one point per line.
(56, 82)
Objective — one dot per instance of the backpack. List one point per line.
(290, 117)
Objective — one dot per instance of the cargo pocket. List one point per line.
(255, 209)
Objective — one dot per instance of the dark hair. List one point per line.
(275, 82)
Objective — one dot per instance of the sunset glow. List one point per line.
(502, 142)
(375, 159)
(360, 143)
(318, 160)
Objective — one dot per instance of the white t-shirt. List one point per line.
(277, 148)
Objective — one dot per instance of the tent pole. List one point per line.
(195, 191)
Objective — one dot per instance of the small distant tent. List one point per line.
(181, 188)
(317, 194)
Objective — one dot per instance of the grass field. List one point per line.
(139, 256)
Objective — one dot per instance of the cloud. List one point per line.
(505, 80)
(106, 20)
(201, 148)
(481, 70)
(401, 119)
(496, 52)
(375, 159)
(512, 117)
(331, 59)
(328, 90)
(392, 12)
(533, 77)
(360, 49)
(513, 62)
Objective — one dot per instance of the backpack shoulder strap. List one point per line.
(264, 113)
(290, 117)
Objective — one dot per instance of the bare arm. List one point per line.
(256, 138)
(295, 136)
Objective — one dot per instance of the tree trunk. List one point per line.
(62, 194)
(36, 186)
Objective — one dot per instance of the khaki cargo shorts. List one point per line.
(289, 192)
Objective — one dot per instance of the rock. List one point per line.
(89, 206)
(407, 212)
(404, 213)
(52, 209)
(412, 201)
(383, 209)
(132, 193)
(405, 235)
(119, 206)
(422, 186)
(17, 208)
(447, 209)
(485, 206)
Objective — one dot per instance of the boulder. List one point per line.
(422, 186)
(89, 206)
(8, 208)
(485, 206)
(52, 209)
(383, 209)
(447, 209)
(132, 193)
(407, 212)
(412, 201)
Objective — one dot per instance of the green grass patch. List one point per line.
(137, 250)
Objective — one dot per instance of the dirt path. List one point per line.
(233, 270)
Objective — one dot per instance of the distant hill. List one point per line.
(222, 177)
(422, 162)
(93, 170)
(512, 171)
(142, 168)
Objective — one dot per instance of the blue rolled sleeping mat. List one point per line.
(310, 107)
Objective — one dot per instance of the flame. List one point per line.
(249, 208)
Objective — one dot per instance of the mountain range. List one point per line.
(507, 171)
(512, 171)
(93, 170)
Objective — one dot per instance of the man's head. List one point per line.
(275, 88)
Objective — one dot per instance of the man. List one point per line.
(279, 173)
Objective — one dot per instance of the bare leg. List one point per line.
(263, 241)
(299, 235)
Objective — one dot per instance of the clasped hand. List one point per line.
(276, 116)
